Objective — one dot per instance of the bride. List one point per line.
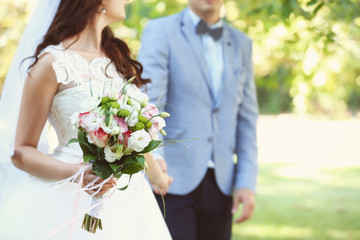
(78, 56)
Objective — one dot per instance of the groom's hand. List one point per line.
(247, 198)
(162, 163)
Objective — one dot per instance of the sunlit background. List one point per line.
(307, 67)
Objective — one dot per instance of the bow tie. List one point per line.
(203, 28)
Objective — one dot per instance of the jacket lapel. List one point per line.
(228, 56)
(188, 29)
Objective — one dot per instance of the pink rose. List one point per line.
(99, 137)
(158, 123)
(90, 122)
(126, 136)
(122, 124)
(149, 111)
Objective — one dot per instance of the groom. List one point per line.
(202, 75)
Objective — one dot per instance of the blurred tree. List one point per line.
(306, 52)
(13, 16)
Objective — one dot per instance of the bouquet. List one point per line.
(114, 133)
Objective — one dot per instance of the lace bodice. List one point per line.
(79, 80)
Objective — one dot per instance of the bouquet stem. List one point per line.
(92, 220)
(91, 224)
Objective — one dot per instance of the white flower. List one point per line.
(158, 123)
(90, 104)
(112, 153)
(139, 140)
(164, 114)
(138, 98)
(116, 126)
(110, 129)
(90, 121)
(133, 118)
(114, 95)
(116, 130)
(114, 111)
(132, 90)
(99, 111)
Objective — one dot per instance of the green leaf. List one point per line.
(127, 159)
(107, 117)
(312, 2)
(73, 140)
(255, 11)
(87, 148)
(318, 8)
(123, 188)
(141, 160)
(118, 175)
(82, 136)
(152, 145)
(88, 157)
(102, 170)
(131, 168)
(114, 166)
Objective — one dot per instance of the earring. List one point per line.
(103, 10)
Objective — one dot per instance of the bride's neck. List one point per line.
(89, 40)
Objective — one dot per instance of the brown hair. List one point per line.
(71, 19)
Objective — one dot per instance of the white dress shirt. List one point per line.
(214, 58)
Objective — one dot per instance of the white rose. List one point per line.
(139, 140)
(90, 104)
(112, 154)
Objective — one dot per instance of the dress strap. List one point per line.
(67, 68)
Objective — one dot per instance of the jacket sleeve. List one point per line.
(154, 55)
(246, 136)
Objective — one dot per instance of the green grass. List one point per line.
(304, 204)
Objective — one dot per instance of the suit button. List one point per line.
(210, 139)
(216, 110)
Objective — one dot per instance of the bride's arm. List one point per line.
(158, 178)
(39, 89)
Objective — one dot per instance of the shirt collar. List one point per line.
(196, 19)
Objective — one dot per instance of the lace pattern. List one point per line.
(70, 67)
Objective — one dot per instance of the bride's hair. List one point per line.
(71, 19)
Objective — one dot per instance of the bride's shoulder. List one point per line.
(54, 50)
(54, 59)
(46, 59)
(43, 71)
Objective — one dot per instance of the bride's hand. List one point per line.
(89, 176)
(161, 183)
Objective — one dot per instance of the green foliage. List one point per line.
(306, 52)
(128, 164)
(13, 17)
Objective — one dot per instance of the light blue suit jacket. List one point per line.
(172, 56)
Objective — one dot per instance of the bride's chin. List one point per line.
(119, 18)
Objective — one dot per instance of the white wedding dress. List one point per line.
(31, 208)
